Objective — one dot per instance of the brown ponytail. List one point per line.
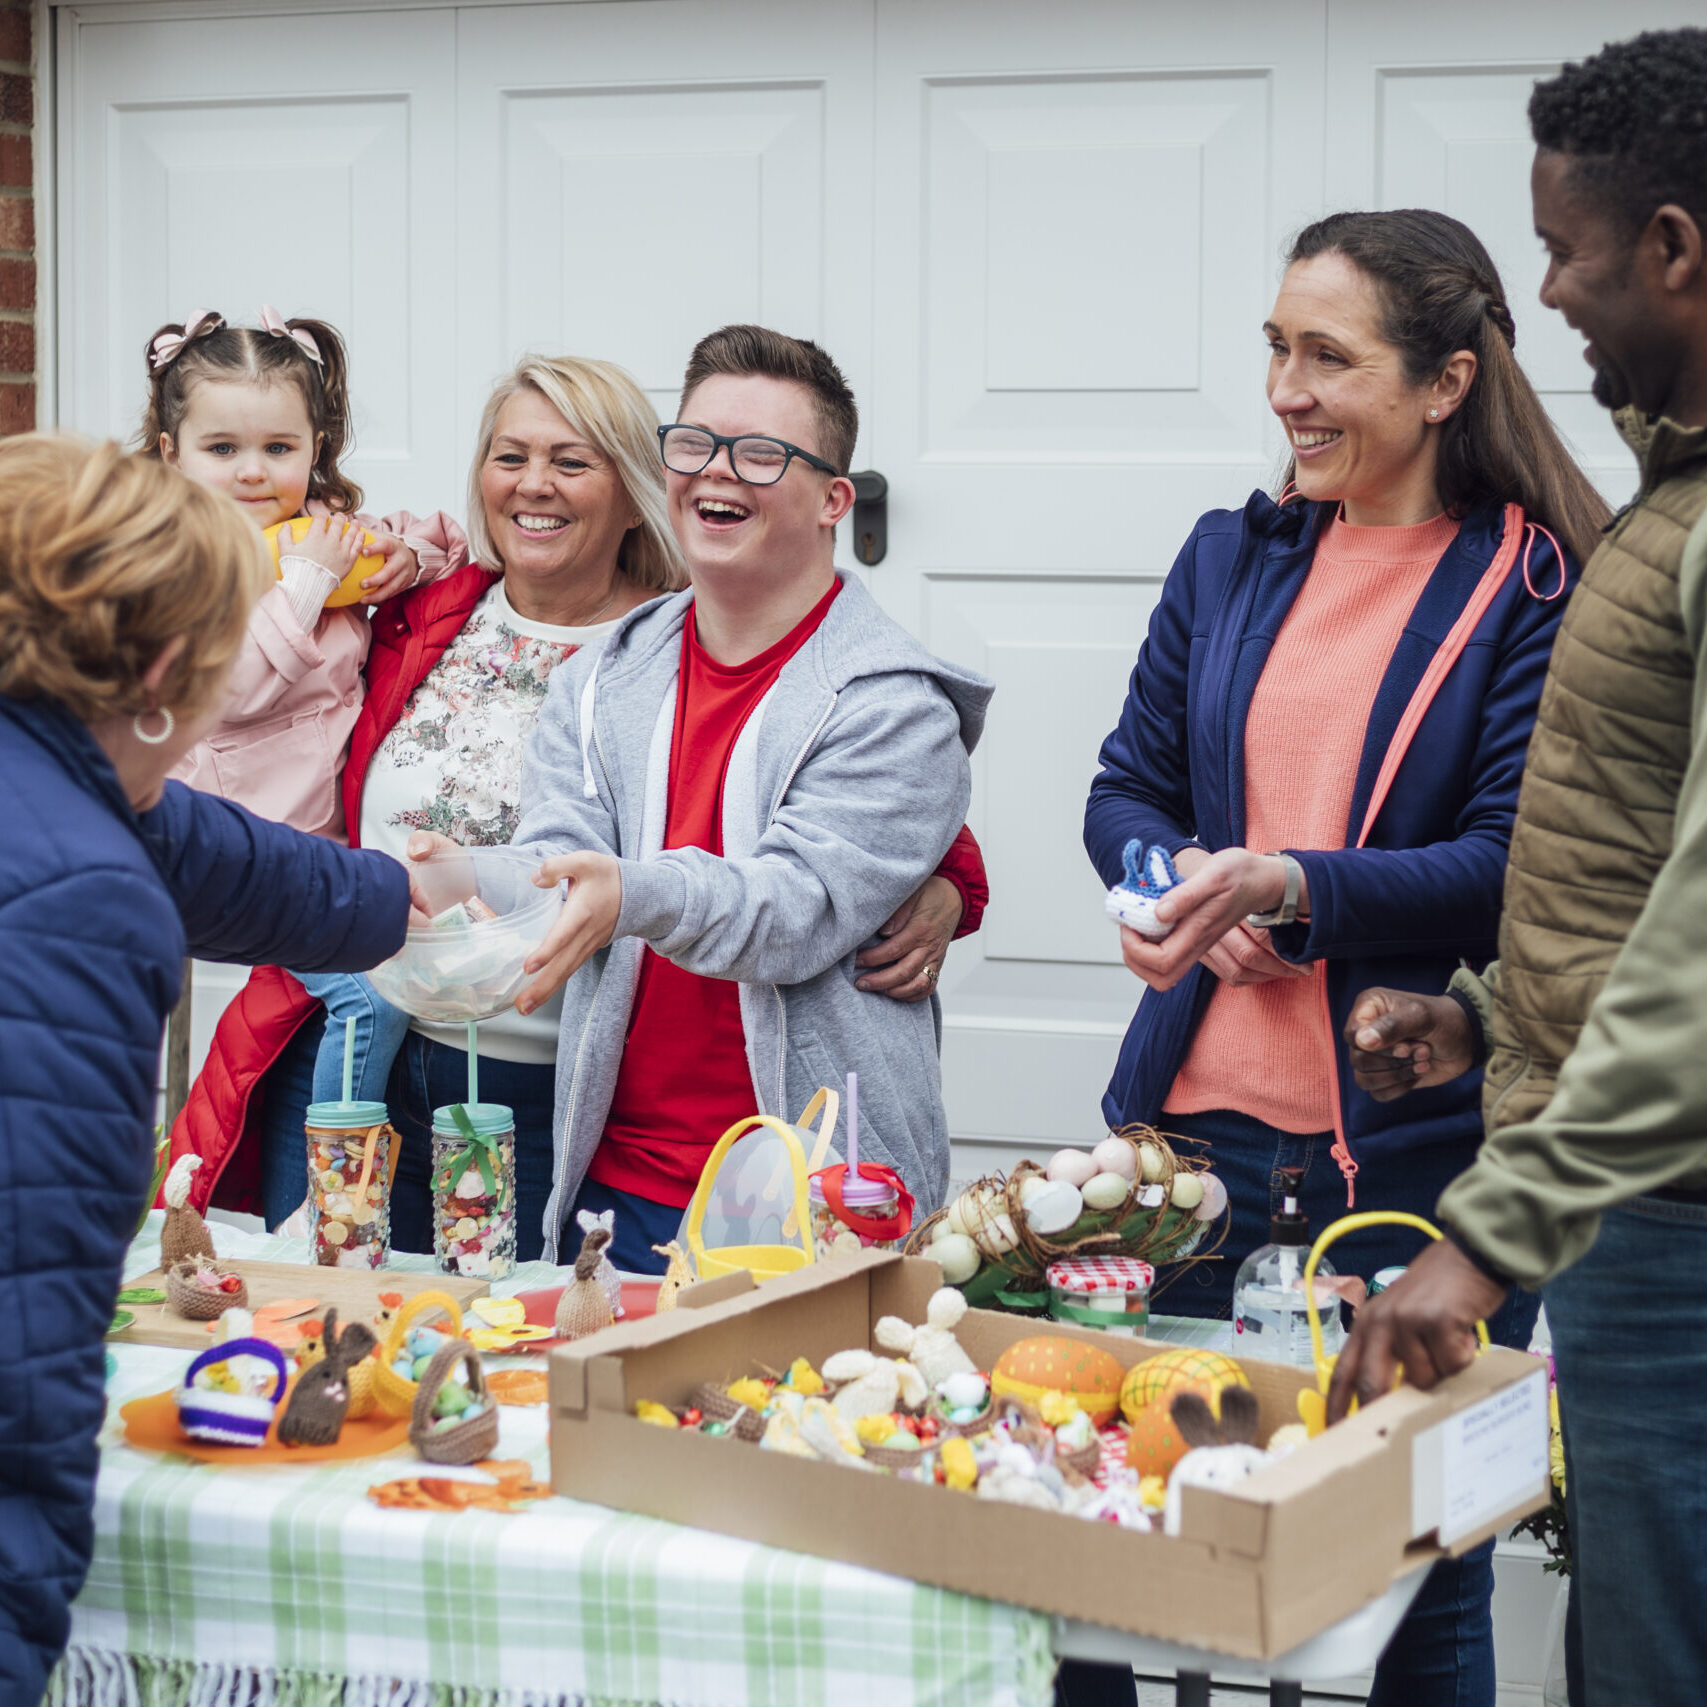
(217, 351)
(1441, 293)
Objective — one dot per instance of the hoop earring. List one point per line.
(142, 734)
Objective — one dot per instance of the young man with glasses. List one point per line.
(741, 788)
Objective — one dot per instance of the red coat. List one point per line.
(410, 635)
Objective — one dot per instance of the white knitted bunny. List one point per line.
(932, 1349)
(607, 1276)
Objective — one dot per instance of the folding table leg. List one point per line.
(1285, 1694)
(1191, 1689)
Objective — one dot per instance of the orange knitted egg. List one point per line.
(1155, 1444)
(1053, 1363)
(1169, 1371)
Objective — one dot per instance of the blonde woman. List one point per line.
(125, 592)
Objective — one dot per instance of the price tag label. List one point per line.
(1481, 1462)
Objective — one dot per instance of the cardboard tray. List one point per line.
(353, 1292)
(1255, 1570)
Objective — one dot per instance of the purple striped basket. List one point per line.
(230, 1419)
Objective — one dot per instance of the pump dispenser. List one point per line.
(1269, 1317)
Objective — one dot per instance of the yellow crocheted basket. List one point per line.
(396, 1393)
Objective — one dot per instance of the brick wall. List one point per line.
(17, 219)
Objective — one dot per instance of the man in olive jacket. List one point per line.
(1592, 1182)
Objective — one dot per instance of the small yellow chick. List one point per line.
(661, 1416)
(311, 1348)
(959, 1466)
(749, 1391)
(803, 1378)
(1058, 1408)
(1152, 1492)
(218, 1376)
(876, 1429)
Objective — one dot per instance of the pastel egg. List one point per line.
(1073, 1166)
(1116, 1156)
(1050, 1205)
(1214, 1202)
(999, 1234)
(1187, 1191)
(1106, 1191)
(1149, 1162)
(958, 1257)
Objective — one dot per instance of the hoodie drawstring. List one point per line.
(589, 788)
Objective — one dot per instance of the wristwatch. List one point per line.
(1287, 912)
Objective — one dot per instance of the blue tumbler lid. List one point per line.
(347, 1114)
(487, 1118)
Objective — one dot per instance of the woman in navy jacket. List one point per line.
(124, 591)
(1422, 455)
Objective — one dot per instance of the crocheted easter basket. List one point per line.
(468, 1440)
(896, 1457)
(745, 1423)
(203, 1303)
(396, 1393)
(230, 1419)
(946, 1430)
(1145, 1224)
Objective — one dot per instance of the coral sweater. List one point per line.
(1266, 1050)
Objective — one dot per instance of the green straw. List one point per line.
(349, 1056)
(473, 1062)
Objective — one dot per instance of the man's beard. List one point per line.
(1609, 389)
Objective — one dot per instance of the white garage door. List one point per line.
(1040, 239)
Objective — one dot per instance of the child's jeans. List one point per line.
(379, 1034)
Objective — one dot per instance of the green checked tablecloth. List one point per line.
(230, 1587)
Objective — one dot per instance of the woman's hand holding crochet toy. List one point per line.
(1219, 890)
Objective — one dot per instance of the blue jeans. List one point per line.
(1443, 1653)
(379, 1034)
(284, 1095)
(1630, 1349)
(428, 1075)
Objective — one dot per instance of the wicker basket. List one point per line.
(937, 1411)
(396, 1393)
(896, 1457)
(464, 1442)
(197, 1303)
(744, 1422)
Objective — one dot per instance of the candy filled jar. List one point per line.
(1107, 1292)
(474, 1189)
(868, 1210)
(352, 1153)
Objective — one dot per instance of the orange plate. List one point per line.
(152, 1424)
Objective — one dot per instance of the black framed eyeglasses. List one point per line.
(758, 461)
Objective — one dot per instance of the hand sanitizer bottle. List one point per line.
(1269, 1318)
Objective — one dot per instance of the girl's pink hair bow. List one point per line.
(170, 345)
(273, 322)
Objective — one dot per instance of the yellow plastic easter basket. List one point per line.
(777, 1195)
(395, 1393)
(1313, 1407)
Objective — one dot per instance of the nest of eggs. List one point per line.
(1145, 1222)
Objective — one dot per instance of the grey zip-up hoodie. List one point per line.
(843, 792)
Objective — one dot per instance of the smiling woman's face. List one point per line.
(555, 506)
(1358, 427)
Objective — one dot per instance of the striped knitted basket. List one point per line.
(230, 1419)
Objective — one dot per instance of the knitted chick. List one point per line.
(584, 1307)
(676, 1275)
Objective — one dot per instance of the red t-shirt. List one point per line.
(684, 1079)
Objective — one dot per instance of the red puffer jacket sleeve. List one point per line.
(963, 866)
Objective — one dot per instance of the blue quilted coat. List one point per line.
(98, 908)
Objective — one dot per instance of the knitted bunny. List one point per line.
(1222, 1452)
(676, 1276)
(932, 1349)
(183, 1233)
(608, 1278)
(584, 1307)
(872, 1386)
(321, 1397)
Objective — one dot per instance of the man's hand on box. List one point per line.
(586, 923)
(1425, 1321)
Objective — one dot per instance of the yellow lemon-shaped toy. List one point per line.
(1191, 1366)
(349, 591)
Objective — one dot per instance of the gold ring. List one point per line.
(930, 976)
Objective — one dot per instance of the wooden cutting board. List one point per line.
(354, 1292)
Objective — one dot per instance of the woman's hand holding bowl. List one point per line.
(584, 926)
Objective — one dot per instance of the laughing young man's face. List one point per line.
(721, 521)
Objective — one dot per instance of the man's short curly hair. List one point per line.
(1634, 120)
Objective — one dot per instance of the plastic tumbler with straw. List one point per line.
(352, 1155)
(474, 1181)
(858, 1205)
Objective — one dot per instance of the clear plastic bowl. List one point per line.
(446, 974)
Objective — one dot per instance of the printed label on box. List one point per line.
(1482, 1461)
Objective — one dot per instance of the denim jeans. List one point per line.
(380, 1030)
(284, 1095)
(1443, 1653)
(1630, 1349)
(640, 1224)
(428, 1075)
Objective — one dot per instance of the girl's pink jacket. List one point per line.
(294, 697)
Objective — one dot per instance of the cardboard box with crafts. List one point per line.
(745, 1379)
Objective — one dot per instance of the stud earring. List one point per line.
(1434, 414)
(142, 734)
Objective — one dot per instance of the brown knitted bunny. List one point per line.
(584, 1307)
(321, 1396)
(183, 1233)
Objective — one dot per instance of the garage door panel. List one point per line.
(744, 164)
(203, 171)
(1083, 236)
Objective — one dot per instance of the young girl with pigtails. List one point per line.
(263, 414)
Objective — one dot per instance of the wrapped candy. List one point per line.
(474, 1189)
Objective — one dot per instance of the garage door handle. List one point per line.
(870, 516)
